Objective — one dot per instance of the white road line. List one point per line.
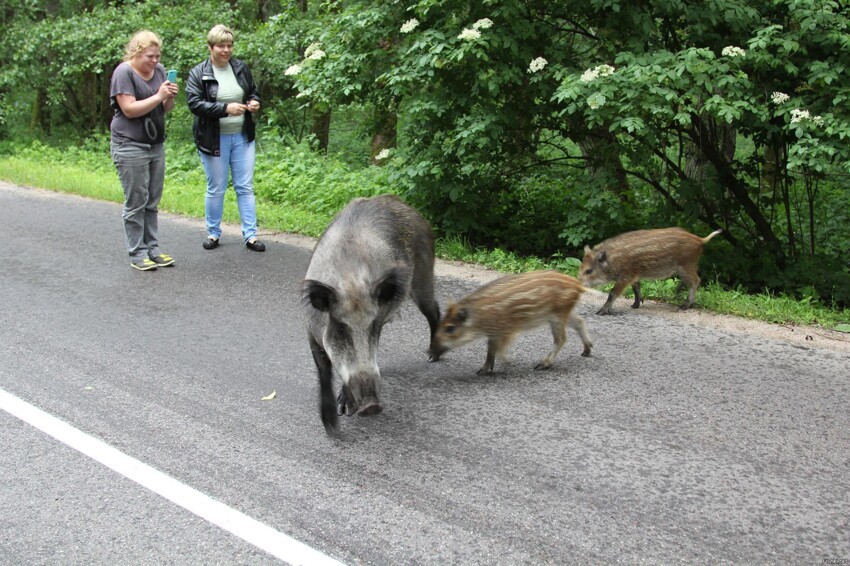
(260, 535)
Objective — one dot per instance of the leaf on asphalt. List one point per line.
(843, 328)
(270, 396)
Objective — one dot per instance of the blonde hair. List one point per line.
(220, 34)
(140, 41)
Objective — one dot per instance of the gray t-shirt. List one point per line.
(149, 128)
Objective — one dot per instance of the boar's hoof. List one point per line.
(434, 352)
(604, 310)
(329, 420)
(485, 370)
(344, 405)
(636, 304)
(685, 307)
(586, 352)
(369, 407)
(542, 366)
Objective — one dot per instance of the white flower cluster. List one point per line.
(779, 97)
(383, 154)
(409, 25)
(598, 71)
(469, 34)
(732, 51)
(537, 65)
(483, 23)
(595, 101)
(798, 116)
(314, 52)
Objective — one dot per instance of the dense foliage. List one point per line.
(535, 125)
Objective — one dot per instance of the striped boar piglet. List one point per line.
(503, 308)
(644, 254)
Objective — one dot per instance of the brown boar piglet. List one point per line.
(513, 304)
(644, 254)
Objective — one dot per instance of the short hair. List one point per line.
(220, 34)
(140, 41)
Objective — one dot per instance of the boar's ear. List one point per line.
(602, 257)
(319, 295)
(390, 287)
(586, 250)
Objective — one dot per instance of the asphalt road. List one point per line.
(673, 443)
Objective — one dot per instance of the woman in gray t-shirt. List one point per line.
(141, 96)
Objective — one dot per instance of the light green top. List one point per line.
(228, 91)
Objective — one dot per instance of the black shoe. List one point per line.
(210, 243)
(256, 245)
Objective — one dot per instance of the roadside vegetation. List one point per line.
(522, 129)
(299, 191)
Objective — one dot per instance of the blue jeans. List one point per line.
(141, 169)
(237, 158)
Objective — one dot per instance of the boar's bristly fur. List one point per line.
(644, 254)
(513, 304)
(374, 254)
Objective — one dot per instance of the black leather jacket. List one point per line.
(201, 91)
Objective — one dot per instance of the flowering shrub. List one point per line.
(732, 51)
(537, 64)
(682, 116)
(779, 98)
(409, 25)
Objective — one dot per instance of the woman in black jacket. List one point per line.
(223, 97)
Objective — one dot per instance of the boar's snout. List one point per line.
(364, 390)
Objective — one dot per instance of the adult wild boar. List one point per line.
(375, 253)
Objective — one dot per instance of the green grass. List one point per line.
(328, 183)
(711, 296)
(71, 179)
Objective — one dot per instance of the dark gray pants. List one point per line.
(141, 168)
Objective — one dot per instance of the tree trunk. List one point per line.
(699, 169)
(321, 128)
(706, 137)
(602, 155)
(268, 8)
(37, 121)
(774, 175)
(385, 135)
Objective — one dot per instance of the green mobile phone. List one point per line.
(172, 76)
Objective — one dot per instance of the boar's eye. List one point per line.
(338, 333)
(588, 271)
(450, 329)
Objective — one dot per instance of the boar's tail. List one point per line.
(710, 236)
(595, 292)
